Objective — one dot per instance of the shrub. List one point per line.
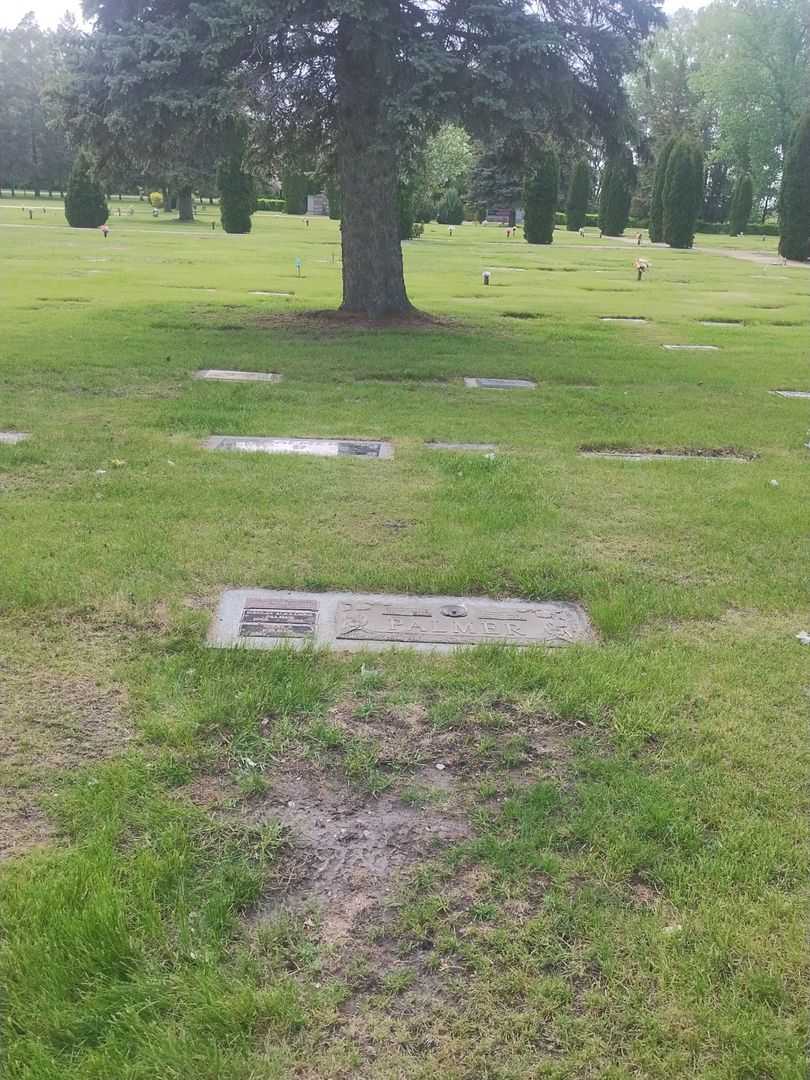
(85, 203)
(237, 195)
(156, 200)
(276, 205)
(794, 198)
(657, 198)
(742, 199)
(579, 193)
(450, 210)
(540, 192)
(683, 193)
(618, 182)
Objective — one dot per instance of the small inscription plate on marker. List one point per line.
(221, 375)
(264, 619)
(313, 447)
(500, 384)
(11, 437)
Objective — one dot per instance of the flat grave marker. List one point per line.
(667, 455)
(258, 292)
(266, 619)
(220, 375)
(692, 348)
(791, 393)
(720, 322)
(500, 384)
(315, 447)
(10, 438)
(622, 318)
(460, 446)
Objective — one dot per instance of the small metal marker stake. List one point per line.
(485, 277)
(298, 265)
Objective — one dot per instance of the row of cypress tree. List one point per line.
(677, 195)
(541, 191)
(86, 204)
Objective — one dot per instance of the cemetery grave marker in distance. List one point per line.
(500, 384)
(315, 447)
(220, 375)
(460, 446)
(266, 619)
(10, 438)
(692, 348)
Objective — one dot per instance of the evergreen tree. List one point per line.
(295, 188)
(683, 192)
(450, 210)
(540, 193)
(657, 198)
(618, 181)
(85, 203)
(357, 75)
(332, 189)
(794, 200)
(237, 195)
(742, 200)
(579, 193)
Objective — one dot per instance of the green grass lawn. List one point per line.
(619, 886)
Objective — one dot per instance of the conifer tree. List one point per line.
(657, 199)
(618, 182)
(237, 195)
(794, 199)
(450, 210)
(683, 192)
(540, 193)
(742, 200)
(579, 193)
(85, 202)
(357, 76)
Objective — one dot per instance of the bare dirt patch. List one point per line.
(352, 843)
(349, 849)
(327, 323)
(50, 724)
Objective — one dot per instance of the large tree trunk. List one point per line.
(373, 281)
(185, 205)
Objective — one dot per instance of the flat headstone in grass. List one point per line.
(791, 393)
(370, 448)
(500, 384)
(460, 446)
(258, 292)
(12, 437)
(265, 619)
(622, 318)
(219, 375)
(722, 322)
(721, 454)
(692, 348)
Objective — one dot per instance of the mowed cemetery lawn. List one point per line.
(607, 878)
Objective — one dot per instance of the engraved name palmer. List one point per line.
(365, 621)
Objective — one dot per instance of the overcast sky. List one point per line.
(49, 12)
